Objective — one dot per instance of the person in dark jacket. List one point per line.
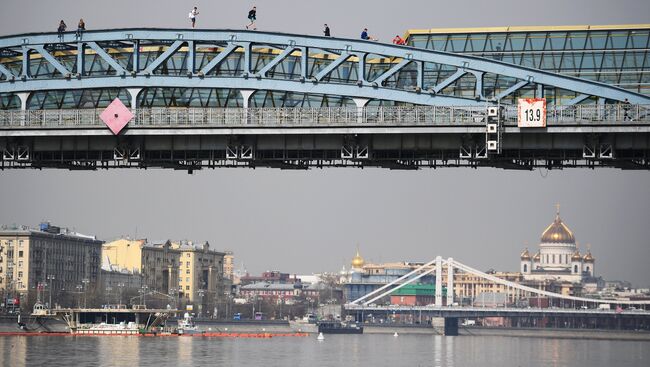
(626, 110)
(326, 31)
(61, 29)
(366, 36)
(81, 27)
(252, 16)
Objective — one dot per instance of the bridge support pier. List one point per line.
(447, 326)
(246, 97)
(438, 290)
(24, 97)
(134, 92)
(450, 282)
(361, 103)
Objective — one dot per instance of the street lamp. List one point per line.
(121, 287)
(50, 277)
(39, 290)
(109, 289)
(173, 292)
(79, 287)
(85, 281)
(144, 295)
(201, 293)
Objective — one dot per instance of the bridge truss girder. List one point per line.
(295, 148)
(64, 57)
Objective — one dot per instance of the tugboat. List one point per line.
(186, 326)
(338, 327)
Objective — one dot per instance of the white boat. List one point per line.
(186, 325)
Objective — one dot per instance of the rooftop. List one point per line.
(45, 229)
(512, 29)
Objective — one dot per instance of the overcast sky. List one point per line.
(303, 222)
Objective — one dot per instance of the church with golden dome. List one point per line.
(558, 258)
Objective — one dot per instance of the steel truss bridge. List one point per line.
(228, 98)
(561, 305)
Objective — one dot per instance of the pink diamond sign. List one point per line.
(116, 116)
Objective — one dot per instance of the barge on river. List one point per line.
(338, 327)
(107, 321)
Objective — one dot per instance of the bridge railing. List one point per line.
(324, 116)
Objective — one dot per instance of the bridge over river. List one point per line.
(192, 99)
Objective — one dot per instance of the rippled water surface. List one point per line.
(335, 350)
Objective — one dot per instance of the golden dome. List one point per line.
(558, 232)
(525, 255)
(576, 256)
(357, 261)
(588, 257)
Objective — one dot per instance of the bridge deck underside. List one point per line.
(405, 150)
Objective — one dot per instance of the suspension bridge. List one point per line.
(517, 302)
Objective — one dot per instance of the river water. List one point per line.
(335, 350)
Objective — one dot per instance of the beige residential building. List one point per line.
(62, 261)
(228, 265)
(200, 275)
(156, 261)
(469, 286)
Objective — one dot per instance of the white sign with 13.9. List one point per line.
(531, 112)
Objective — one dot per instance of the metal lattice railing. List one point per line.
(322, 117)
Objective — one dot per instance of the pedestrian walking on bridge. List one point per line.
(252, 16)
(193, 15)
(626, 110)
(326, 31)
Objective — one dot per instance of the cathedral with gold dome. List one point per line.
(558, 258)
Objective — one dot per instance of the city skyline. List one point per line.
(312, 221)
(396, 235)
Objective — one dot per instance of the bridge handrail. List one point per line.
(175, 38)
(475, 309)
(586, 115)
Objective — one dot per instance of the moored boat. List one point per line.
(186, 326)
(338, 327)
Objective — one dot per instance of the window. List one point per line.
(20, 253)
(187, 271)
(20, 274)
(187, 288)
(20, 243)
(553, 258)
(20, 264)
(187, 264)
(188, 254)
(525, 268)
(187, 279)
(575, 268)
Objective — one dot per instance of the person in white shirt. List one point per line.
(193, 15)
